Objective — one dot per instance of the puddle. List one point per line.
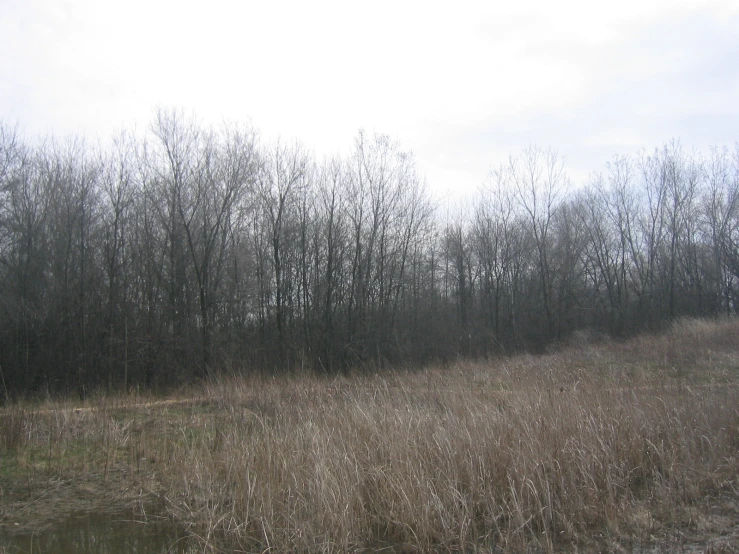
(100, 533)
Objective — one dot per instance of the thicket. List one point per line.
(168, 256)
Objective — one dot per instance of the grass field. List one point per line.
(600, 445)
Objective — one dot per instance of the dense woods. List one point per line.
(162, 258)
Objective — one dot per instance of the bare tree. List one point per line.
(117, 182)
(538, 181)
(721, 211)
(281, 177)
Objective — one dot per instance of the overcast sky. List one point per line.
(461, 83)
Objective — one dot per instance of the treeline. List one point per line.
(194, 249)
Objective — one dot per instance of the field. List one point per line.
(599, 445)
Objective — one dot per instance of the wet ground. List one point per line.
(100, 533)
(86, 515)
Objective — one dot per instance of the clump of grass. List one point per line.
(14, 423)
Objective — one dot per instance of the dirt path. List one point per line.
(564, 388)
(116, 406)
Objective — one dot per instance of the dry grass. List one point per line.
(604, 445)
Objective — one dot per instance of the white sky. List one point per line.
(461, 83)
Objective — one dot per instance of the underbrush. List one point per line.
(605, 444)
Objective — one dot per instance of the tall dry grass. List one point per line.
(593, 443)
(524, 454)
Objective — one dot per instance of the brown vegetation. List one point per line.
(600, 445)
